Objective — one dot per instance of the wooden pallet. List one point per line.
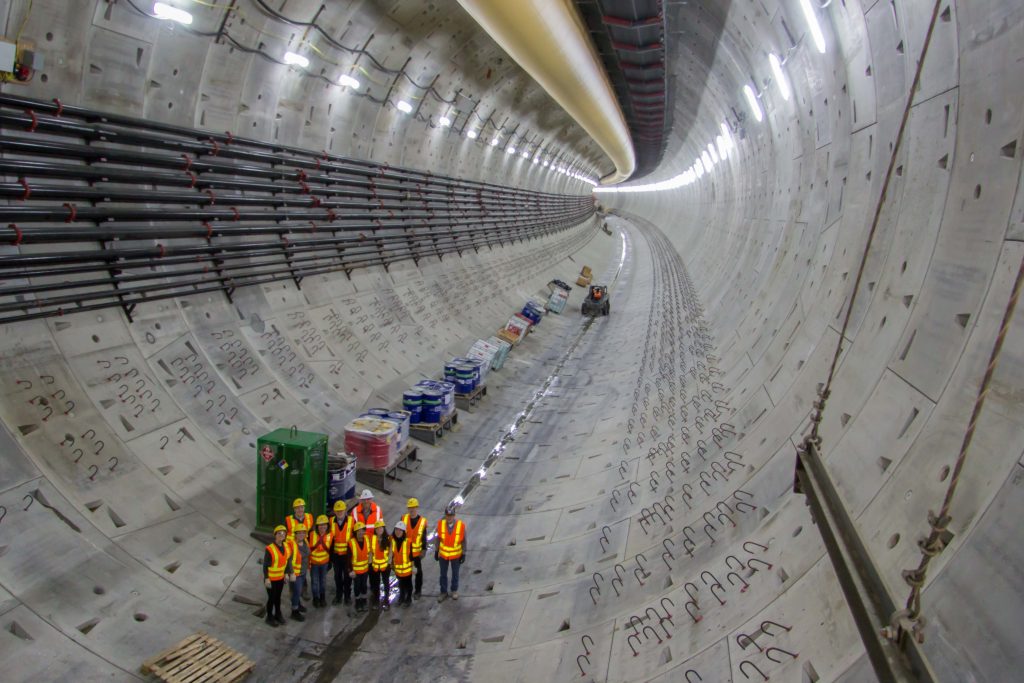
(468, 401)
(378, 478)
(432, 432)
(199, 659)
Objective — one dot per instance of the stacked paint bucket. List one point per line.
(412, 402)
(437, 400)
(467, 374)
(533, 311)
(402, 418)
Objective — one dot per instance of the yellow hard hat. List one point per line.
(359, 526)
(413, 503)
(339, 506)
(298, 502)
(379, 524)
(279, 528)
(322, 519)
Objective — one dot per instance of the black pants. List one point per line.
(405, 589)
(274, 599)
(418, 580)
(342, 581)
(377, 581)
(359, 587)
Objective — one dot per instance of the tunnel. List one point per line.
(791, 449)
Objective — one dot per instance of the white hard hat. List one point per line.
(400, 525)
(366, 495)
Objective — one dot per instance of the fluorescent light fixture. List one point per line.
(713, 153)
(722, 151)
(293, 59)
(755, 106)
(727, 137)
(510, 150)
(348, 81)
(168, 13)
(471, 134)
(404, 107)
(526, 155)
(445, 121)
(700, 167)
(545, 164)
(536, 160)
(494, 142)
(780, 78)
(707, 160)
(813, 25)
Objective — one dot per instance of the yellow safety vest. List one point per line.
(360, 553)
(342, 534)
(401, 556)
(449, 546)
(278, 561)
(320, 547)
(415, 534)
(380, 554)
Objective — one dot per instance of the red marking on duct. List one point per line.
(35, 120)
(209, 230)
(231, 137)
(193, 178)
(216, 147)
(381, 203)
(60, 106)
(312, 227)
(188, 162)
(238, 216)
(331, 215)
(316, 201)
(213, 197)
(162, 250)
(28, 190)
(302, 174)
(72, 212)
(17, 234)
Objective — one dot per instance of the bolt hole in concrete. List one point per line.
(156, 326)
(988, 116)
(99, 590)
(796, 531)
(96, 338)
(214, 563)
(176, 539)
(977, 191)
(49, 36)
(943, 473)
(139, 616)
(893, 540)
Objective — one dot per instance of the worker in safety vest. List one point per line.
(300, 569)
(380, 567)
(416, 530)
(276, 569)
(320, 542)
(451, 551)
(367, 512)
(401, 560)
(299, 518)
(341, 531)
(359, 555)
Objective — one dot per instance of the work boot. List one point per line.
(442, 597)
(337, 600)
(302, 608)
(271, 621)
(348, 599)
(455, 595)
(297, 616)
(280, 619)
(417, 595)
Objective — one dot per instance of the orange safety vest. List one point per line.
(341, 534)
(320, 547)
(296, 555)
(415, 534)
(369, 520)
(380, 553)
(449, 547)
(401, 555)
(278, 561)
(290, 522)
(360, 553)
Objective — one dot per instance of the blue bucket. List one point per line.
(433, 406)
(377, 412)
(448, 402)
(412, 401)
(466, 378)
(450, 369)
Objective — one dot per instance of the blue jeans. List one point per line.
(454, 564)
(296, 587)
(318, 580)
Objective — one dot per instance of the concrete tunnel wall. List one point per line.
(771, 240)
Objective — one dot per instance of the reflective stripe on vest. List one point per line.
(360, 553)
(296, 555)
(449, 547)
(400, 553)
(290, 522)
(342, 537)
(278, 561)
(415, 534)
(380, 553)
(371, 519)
(320, 547)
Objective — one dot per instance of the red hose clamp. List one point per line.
(60, 106)
(231, 138)
(193, 177)
(209, 230)
(216, 147)
(331, 215)
(284, 238)
(28, 190)
(188, 162)
(72, 212)
(238, 216)
(381, 202)
(35, 120)
(312, 227)
(213, 197)
(391, 214)
(316, 201)
(317, 160)
(161, 249)
(362, 236)
(304, 186)
(17, 234)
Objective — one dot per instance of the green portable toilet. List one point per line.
(289, 464)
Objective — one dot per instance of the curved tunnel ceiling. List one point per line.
(627, 482)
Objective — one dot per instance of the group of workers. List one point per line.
(358, 548)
